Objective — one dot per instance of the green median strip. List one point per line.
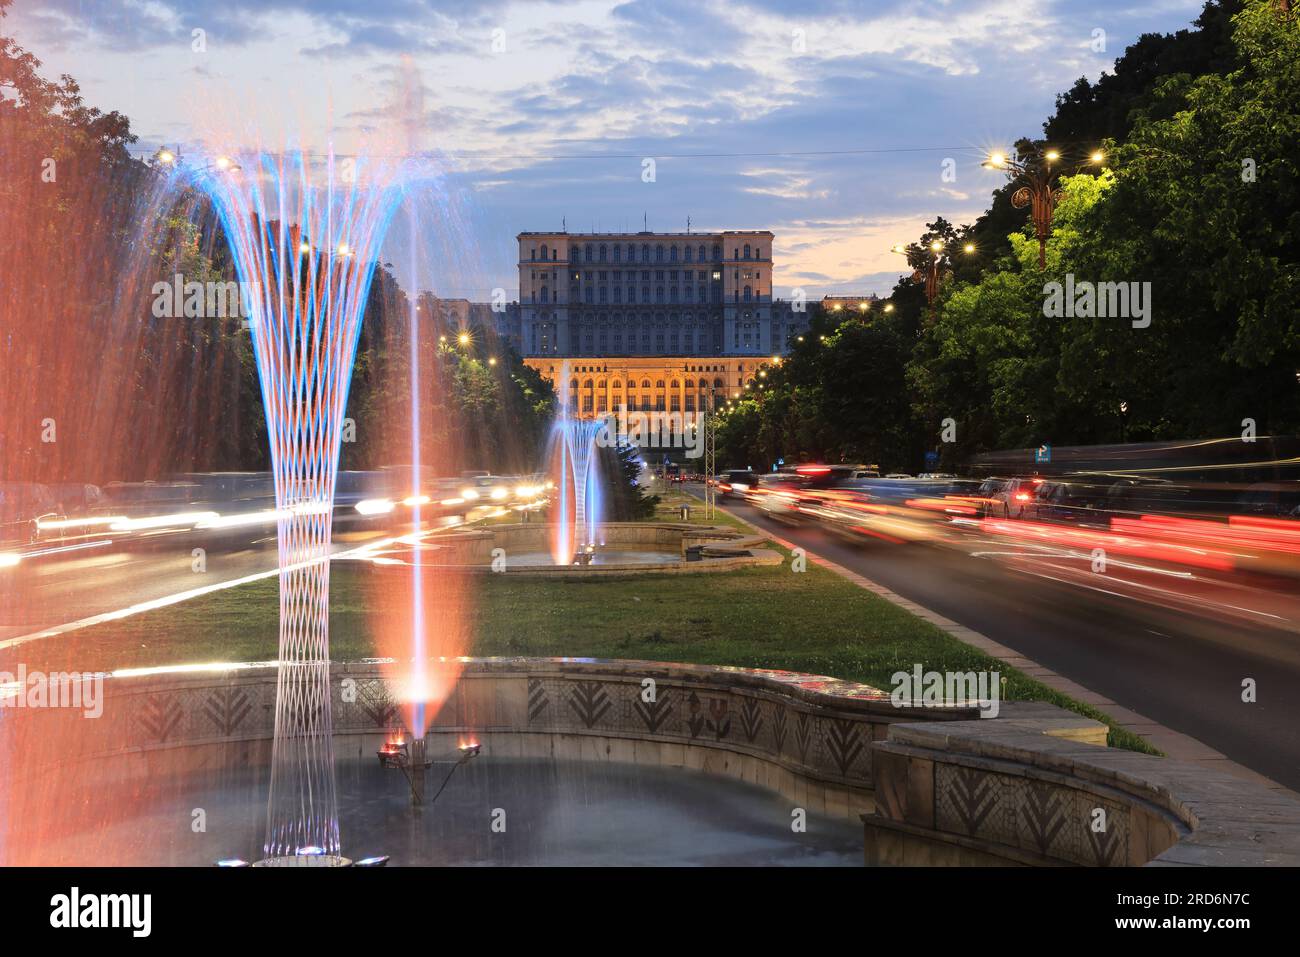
(764, 617)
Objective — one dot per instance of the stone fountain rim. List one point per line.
(840, 693)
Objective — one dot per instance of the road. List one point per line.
(63, 589)
(1180, 669)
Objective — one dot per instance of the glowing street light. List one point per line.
(463, 338)
(1040, 191)
(932, 271)
(166, 156)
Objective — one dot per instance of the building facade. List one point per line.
(650, 317)
(597, 387)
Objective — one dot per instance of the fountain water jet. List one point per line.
(575, 460)
(305, 238)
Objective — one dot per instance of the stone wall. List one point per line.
(1020, 791)
(808, 737)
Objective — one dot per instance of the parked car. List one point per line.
(1271, 499)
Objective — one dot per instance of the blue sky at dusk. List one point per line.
(826, 122)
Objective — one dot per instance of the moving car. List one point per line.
(736, 483)
(1007, 497)
(778, 494)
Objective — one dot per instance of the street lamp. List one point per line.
(931, 271)
(1040, 192)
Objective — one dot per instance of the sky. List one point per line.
(830, 123)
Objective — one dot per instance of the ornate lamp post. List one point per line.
(1041, 191)
(931, 270)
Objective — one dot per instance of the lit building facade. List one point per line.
(596, 387)
(651, 317)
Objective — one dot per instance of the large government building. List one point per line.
(653, 321)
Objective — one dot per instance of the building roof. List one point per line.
(694, 234)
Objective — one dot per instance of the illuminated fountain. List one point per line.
(579, 498)
(305, 234)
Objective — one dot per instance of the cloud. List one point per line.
(827, 122)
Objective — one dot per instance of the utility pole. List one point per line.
(710, 464)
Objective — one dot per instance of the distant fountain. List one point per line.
(575, 460)
(305, 235)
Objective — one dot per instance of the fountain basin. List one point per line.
(724, 753)
(626, 548)
(582, 753)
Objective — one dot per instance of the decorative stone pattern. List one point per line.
(1049, 820)
(810, 727)
(1027, 789)
(757, 720)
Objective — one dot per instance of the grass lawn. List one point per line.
(770, 617)
(671, 501)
